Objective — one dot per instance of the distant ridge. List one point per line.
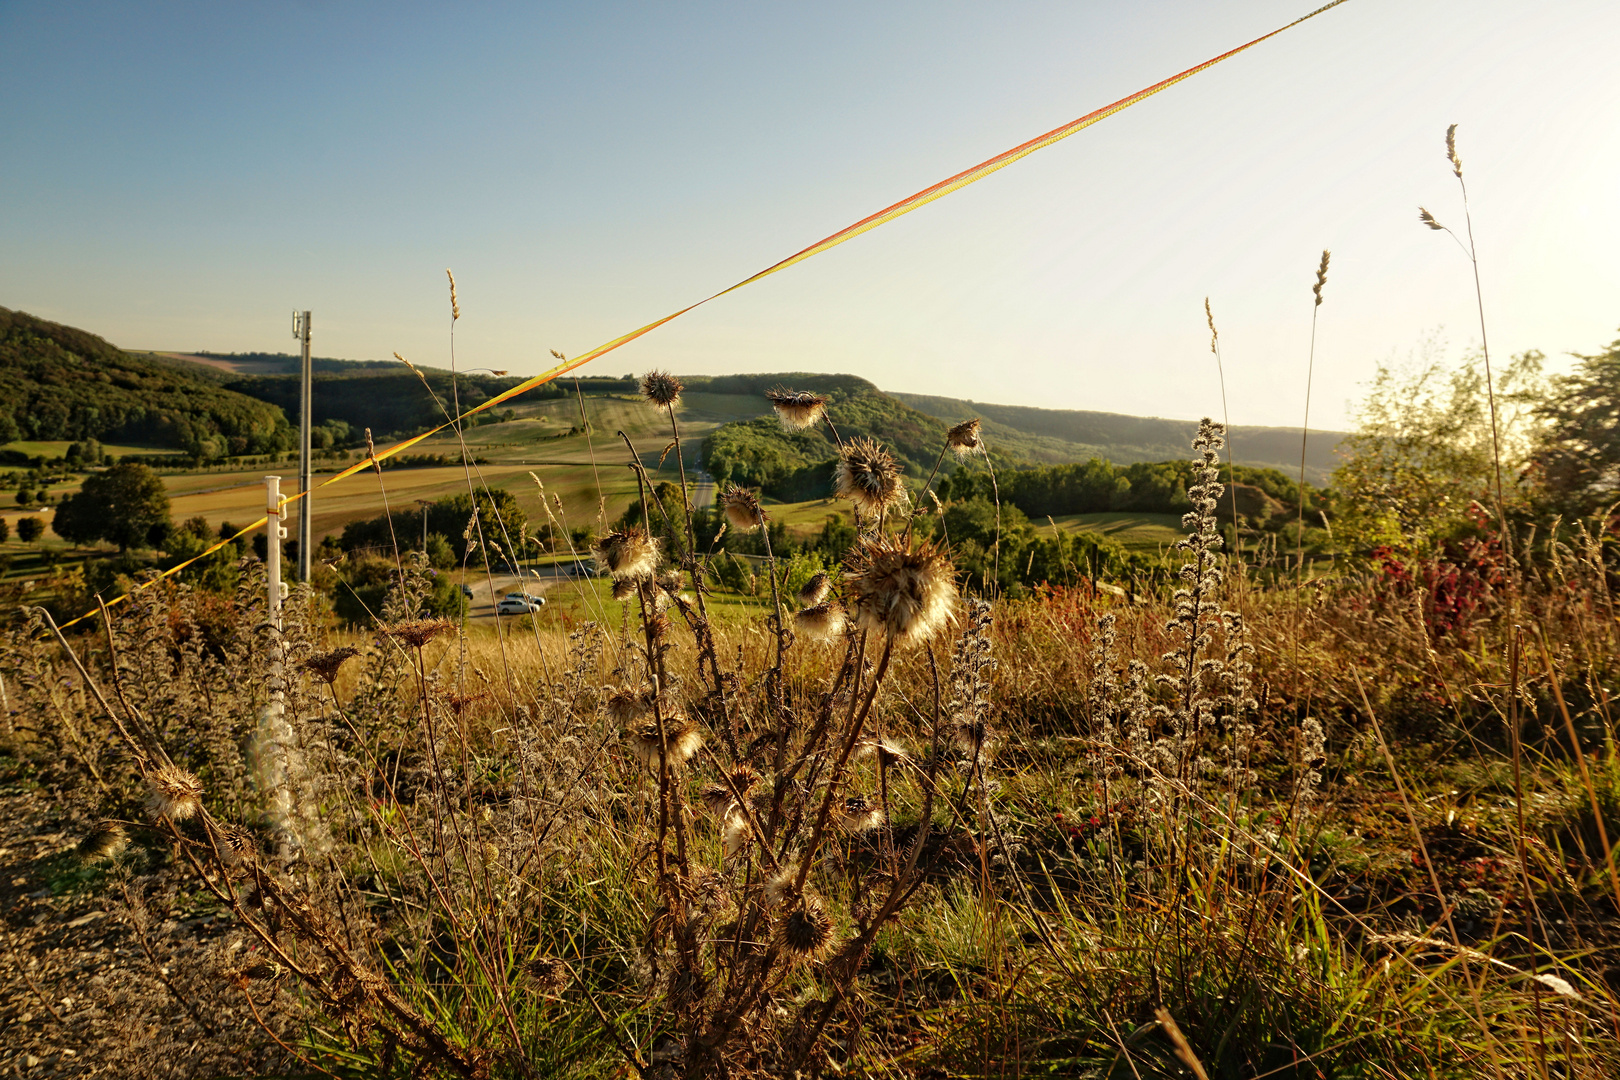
(1059, 435)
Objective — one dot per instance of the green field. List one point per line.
(1134, 532)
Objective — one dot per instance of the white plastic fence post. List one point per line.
(274, 533)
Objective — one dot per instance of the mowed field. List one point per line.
(589, 473)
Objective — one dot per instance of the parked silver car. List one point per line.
(519, 604)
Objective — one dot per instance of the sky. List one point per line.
(180, 176)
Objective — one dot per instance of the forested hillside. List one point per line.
(58, 382)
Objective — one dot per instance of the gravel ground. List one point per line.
(90, 986)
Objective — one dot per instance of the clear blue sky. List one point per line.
(179, 176)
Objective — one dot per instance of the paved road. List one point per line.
(487, 591)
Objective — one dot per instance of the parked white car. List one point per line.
(519, 604)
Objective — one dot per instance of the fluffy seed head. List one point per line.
(683, 736)
(174, 793)
(780, 884)
(742, 508)
(237, 844)
(734, 834)
(806, 932)
(907, 593)
(815, 590)
(859, 814)
(823, 622)
(326, 664)
(626, 706)
(972, 736)
(1321, 275)
(796, 409)
(661, 389)
(624, 589)
(889, 754)
(868, 476)
(717, 799)
(964, 438)
(105, 841)
(630, 554)
(418, 632)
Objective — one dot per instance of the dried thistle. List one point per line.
(624, 588)
(823, 622)
(105, 841)
(418, 632)
(858, 814)
(796, 409)
(963, 439)
(629, 554)
(815, 590)
(1321, 276)
(684, 741)
(868, 476)
(238, 844)
(549, 975)
(455, 308)
(742, 508)
(326, 664)
(889, 754)
(734, 834)
(626, 706)
(717, 799)
(175, 794)
(1428, 219)
(907, 593)
(661, 389)
(806, 932)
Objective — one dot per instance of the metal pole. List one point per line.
(273, 534)
(305, 507)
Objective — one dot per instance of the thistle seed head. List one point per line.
(174, 793)
(630, 554)
(326, 664)
(907, 593)
(859, 814)
(868, 476)
(780, 884)
(972, 736)
(963, 439)
(823, 622)
(549, 975)
(742, 508)
(796, 409)
(717, 800)
(418, 632)
(105, 841)
(626, 706)
(624, 589)
(734, 834)
(683, 736)
(661, 389)
(806, 932)
(815, 590)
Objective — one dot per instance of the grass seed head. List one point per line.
(105, 841)
(1451, 151)
(174, 793)
(1214, 335)
(455, 308)
(1428, 219)
(963, 439)
(868, 476)
(661, 389)
(630, 554)
(742, 508)
(815, 590)
(823, 622)
(1321, 275)
(797, 409)
(906, 592)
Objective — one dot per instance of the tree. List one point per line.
(5, 530)
(125, 505)
(1577, 458)
(1421, 455)
(30, 529)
